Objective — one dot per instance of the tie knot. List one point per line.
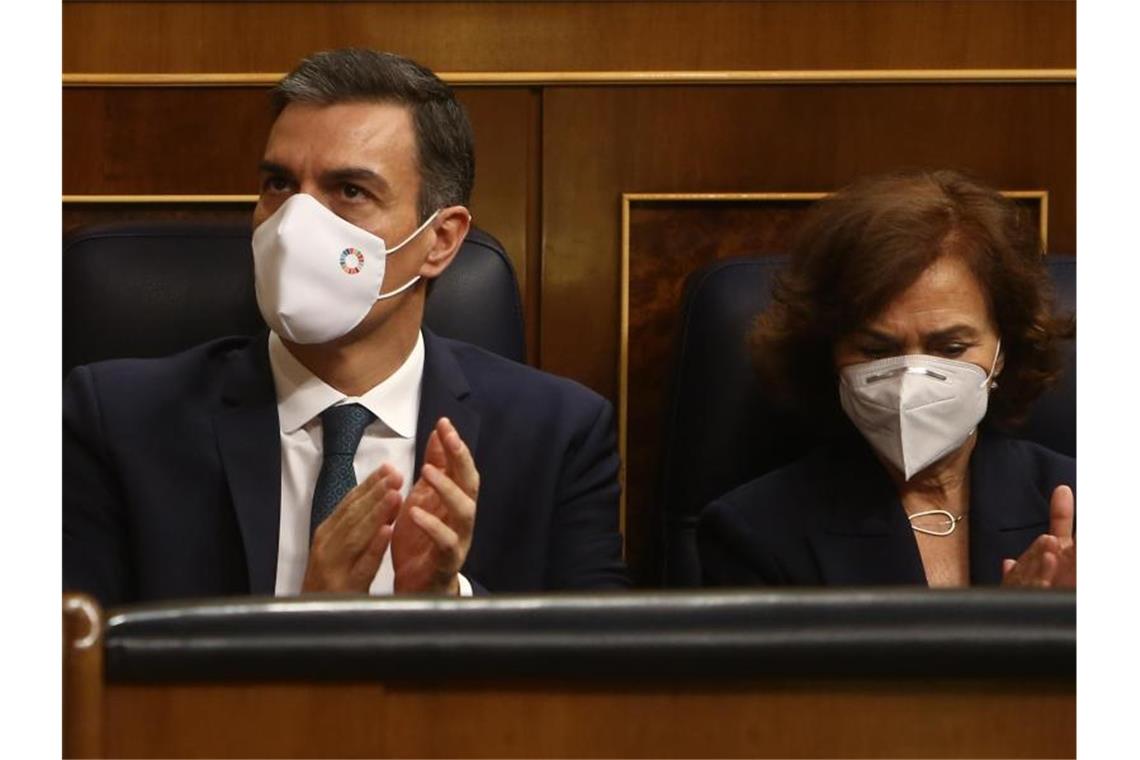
(343, 427)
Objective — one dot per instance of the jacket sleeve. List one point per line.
(95, 542)
(586, 547)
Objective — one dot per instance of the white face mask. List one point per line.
(915, 409)
(317, 275)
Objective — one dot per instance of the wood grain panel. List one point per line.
(83, 686)
(177, 141)
(667, 242)
(156, 140)
(573, 36)
(81, 214)
(601, 142)
(777, 718)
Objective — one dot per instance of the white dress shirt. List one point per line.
(391, 438)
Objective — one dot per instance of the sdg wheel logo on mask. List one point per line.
(351, 260)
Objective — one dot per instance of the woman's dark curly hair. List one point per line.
(864, 246)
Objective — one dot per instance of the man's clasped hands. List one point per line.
(429, 531)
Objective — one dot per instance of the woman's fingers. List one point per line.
(1037, 565)
(1061, 509)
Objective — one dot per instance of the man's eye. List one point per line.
(276, 184)
(875, 352)
(352, 192)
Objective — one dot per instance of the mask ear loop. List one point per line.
(400, 289)
(414, 234)
(989, 381)
(407, 240)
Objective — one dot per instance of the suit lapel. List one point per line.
(249, 443)
(443, 393)
(867, 540)
(1007, 511)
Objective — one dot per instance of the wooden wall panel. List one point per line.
(573, 36)
(79, 214)
(602, 142)
(156, 140)
(773, 717)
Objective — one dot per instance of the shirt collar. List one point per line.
(301, 395)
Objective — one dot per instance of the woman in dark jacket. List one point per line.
(914, 317)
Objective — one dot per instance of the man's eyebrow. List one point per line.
(356, 174)
(269, 167)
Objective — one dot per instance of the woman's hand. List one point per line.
(1051, 560)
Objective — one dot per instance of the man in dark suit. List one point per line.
(348, 449)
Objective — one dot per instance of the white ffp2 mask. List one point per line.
(317, 275)
(915, 409)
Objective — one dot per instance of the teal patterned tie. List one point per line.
(343, 428)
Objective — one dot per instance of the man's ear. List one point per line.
(450, 229)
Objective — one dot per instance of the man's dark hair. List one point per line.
(445, 144)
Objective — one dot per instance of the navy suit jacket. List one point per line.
(172, 472)
(834, 518)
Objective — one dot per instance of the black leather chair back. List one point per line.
(721, 432)
(156, 288)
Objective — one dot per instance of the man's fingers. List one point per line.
(445, 539)
(369, 561)
(424, 496)
(434, 452)
(344, 515)
(1061, 509)
(460, 506)
(381, 473)
(1007, 566)
(433, 532)
(381, 512)
(460, 463)
(385, 474)
(360, 514)
(358, 503)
